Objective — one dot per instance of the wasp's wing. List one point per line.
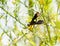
(39, 22)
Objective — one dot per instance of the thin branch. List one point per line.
(46, 25)
(6, 32)
(12, 16)
(19, 38)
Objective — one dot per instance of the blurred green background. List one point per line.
(15, 15)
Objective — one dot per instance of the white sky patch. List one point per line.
(2, 22)
(5, 40)
(54, 6)
(10, 22)
(57, 44)
(1, 31)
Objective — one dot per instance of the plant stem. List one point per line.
(12, 16)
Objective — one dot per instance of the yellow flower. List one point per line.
(41, 2)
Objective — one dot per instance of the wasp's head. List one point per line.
(38, 14)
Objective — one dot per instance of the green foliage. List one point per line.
(33, 44)
(3, 1)
(45, 34)
(31, 3)
(16, 2)
(48, 1)
(58, 2)
(31, 11)
(57, 24)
